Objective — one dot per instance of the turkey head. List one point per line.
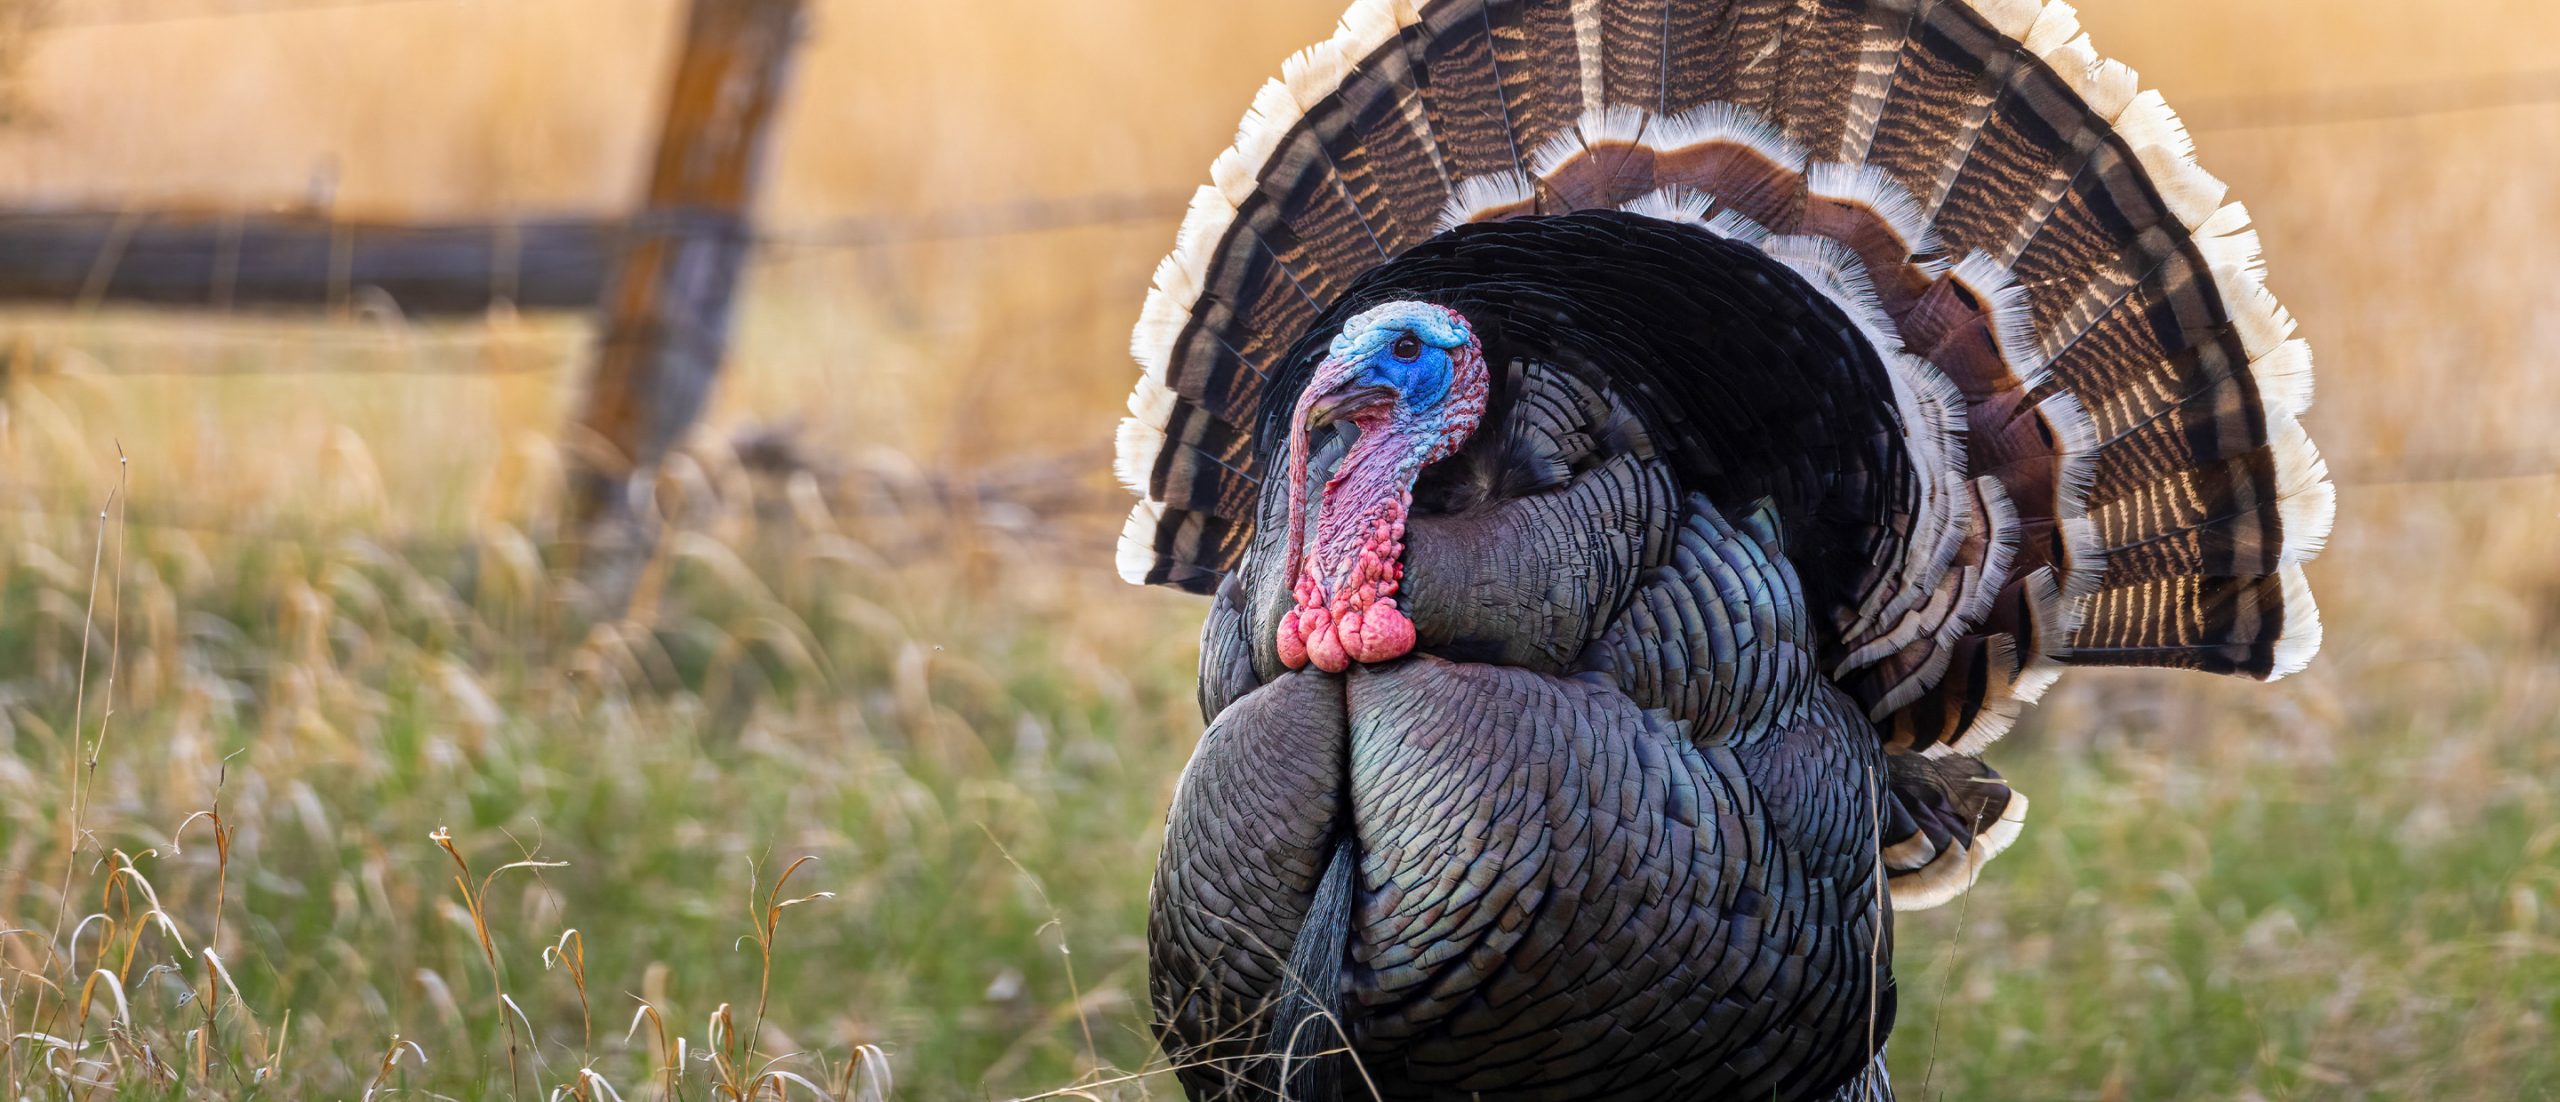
(1410, 376)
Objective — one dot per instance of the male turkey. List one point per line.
(1641, 451)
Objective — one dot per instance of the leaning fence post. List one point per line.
(667, 306)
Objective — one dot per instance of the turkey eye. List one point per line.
(1407, 347)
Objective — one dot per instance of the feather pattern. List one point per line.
(1881, 355)
(2134, 359)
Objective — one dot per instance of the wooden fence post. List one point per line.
(667, 307)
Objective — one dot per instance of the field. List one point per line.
(311, 659)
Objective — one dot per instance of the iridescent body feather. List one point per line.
(1641, 452)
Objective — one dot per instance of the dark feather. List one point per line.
(1758, 511)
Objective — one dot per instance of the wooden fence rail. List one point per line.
(301, 260)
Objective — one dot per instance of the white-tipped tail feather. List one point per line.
(1876, 190)
(1136, 555)
(1726, 122)
(1857, 236)
(1953, 869)
(1685, 205)
(2168, 155)
(2301, 641)
(1485, 198)
(2013, 18)
(2013, 322)
(2058, 25)
(2306, 499)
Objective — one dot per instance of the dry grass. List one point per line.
(320, 610)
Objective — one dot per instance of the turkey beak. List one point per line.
(1347, 400)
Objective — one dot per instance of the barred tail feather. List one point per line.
(2100, 398)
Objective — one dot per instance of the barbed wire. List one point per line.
(1014, 219)
(87, 248)
(1058, 486)
(128, 13)
(1044, 214)
(1025, 486)
(2253, 111)
(280, 371)
(2382, 102)
(2370, 103)
(2444, 468)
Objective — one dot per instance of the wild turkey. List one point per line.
(1641, 451)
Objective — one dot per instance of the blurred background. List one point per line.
(284, 638)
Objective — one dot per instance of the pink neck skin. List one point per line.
(1344, 584)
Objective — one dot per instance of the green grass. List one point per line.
(338, 704)
(333, 612)
(2225, 891)
(2344, 886)
(2284, 926)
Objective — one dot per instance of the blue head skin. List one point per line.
(1404, 353)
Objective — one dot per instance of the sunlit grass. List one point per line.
(364, 723)
(324, 601)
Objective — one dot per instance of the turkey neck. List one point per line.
(1358, 542)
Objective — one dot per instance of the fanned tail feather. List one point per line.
(1943, 820)
(2100, 400)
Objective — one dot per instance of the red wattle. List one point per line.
(1326, 651)
(1381, 635)
(1358, 620)
(1293, 642)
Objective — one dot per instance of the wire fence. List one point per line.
(1048, 501)
(381, 327)
(2373, 103)
(481, 349)
(136, 13)
(576, 246)
(1027, 216)
(905, 507)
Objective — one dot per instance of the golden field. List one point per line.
(322, 608)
